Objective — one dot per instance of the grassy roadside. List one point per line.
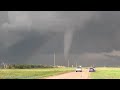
(32, 73)
(106, 73)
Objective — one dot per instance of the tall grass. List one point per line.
(31, 73)
(106, 73)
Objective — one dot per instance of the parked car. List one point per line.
(79, 69)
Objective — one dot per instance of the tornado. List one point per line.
(67, 42)
(84, 17)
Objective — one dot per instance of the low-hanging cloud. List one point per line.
(114, 53)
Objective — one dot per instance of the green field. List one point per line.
(106, 73)
(31, 73)
(101, 73)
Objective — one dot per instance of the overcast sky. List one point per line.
(86, 37)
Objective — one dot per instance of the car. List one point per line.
(91, 69)
(78, 69)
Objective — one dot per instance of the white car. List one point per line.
(78, 69)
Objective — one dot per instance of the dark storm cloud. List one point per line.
(25, 42)
(99, 35)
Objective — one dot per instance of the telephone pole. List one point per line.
(76, 64)
(54, 59)
(68, 62)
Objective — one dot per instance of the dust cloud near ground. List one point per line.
(72, 75)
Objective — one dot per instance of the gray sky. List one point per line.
(33, 36)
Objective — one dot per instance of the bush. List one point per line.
(26, 66)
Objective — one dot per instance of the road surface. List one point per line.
(72, 75)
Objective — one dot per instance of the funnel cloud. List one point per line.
(67, 42)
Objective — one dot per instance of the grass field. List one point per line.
(31, 73)
(106, 73)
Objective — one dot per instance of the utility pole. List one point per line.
(54, 59)
(76, 64)
(68, 62)
(3, 65)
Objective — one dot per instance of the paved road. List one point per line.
(72, 75)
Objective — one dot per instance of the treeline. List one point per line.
(24, 66)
